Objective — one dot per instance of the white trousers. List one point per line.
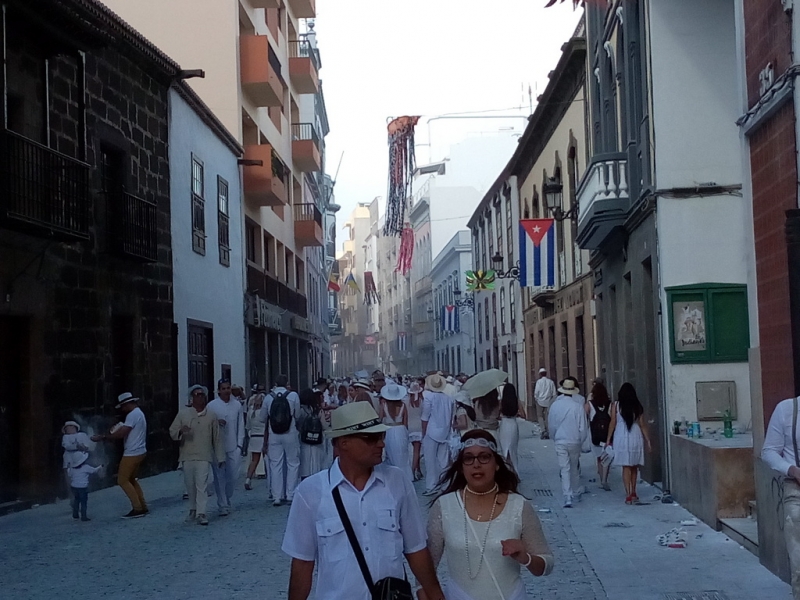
(195, 476)
(437, 459)
(569, 457)
(225, 478)
(283, 452)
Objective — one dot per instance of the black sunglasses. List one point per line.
(370, 438)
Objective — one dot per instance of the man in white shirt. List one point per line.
(437, 422)
(545, 393)
(567, 423)
(282, 440)
(779, 452)
(381, 505)
(230, 417)
(134, 432)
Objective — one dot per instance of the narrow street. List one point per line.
(603, 548)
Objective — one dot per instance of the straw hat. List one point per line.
(484, 382)
(435, 383)
(125, 398)
(568, 388)
(357, 417)
(363, 384)
(392, 391)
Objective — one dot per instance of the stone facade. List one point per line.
(89, 310)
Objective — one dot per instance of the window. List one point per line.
(503, 311)
(494, 315)
(512, 305)
(480, 329)
(250, 232)
(269, 263)
(499, 227)
(486, 318)
(223, 222)
(708, 323)
(509, 236)
(198, 208)
(490, 237)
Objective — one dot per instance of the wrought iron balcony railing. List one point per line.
(303, 49)
(304, 131)
(307, 212)
(42, 190)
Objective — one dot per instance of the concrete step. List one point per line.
(743, 531)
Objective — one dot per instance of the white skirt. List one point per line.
(508, 435)
(453, 591)
(397, 453)
(312, 459)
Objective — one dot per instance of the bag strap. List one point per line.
(794, 433)
(351, 536)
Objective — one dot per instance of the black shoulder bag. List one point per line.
(388, 588)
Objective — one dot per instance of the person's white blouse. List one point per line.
(447, 537)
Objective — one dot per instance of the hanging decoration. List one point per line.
(480, 281)
(401, 170)
(406, 253)
(352, 283)
(370, 290)
(575, 3)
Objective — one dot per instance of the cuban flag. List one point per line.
(401, 341)
(537, 251)
(449, 318)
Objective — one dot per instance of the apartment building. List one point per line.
(261, 79)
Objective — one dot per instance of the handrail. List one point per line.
(304, 49)
(136, 223)
(307, 212)
(304, 131)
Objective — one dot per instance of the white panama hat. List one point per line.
(568, 388)
(356, 417)
(124, 398)
(394, 392)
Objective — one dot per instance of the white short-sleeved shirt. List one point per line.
(294, 405)
(385, 516)
(136, 440)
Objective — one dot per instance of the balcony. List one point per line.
(308, 226)
(282, 296)
(265, 3)
(304, 67)
(262, 79)
(264, 185)
(42, 191)
(135, 228)
(603, 199)
(543, 296)
(303, 9)
(305, 148)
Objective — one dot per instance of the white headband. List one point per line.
(479, 442)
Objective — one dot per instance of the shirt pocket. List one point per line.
(333, 543)
(389, 539)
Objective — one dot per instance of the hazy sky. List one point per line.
(387, 58)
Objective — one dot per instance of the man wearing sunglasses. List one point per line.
(381, 504)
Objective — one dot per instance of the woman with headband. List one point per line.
(484, 528)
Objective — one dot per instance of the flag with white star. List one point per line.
(537, 241)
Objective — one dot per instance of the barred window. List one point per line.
(223, 222)
(198, 208)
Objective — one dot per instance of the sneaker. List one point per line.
(135, 514)
(75, 516)
(202, 520)
(544, 436)
(224, 511)
(84, 519)
(185, 496)
(606, 487)
(247, 485)
(192, 516)
(567, 501)
(276, 502)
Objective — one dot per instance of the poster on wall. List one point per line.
(690, 326)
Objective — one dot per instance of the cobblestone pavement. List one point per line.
(603, 548)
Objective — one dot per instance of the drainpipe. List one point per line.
(793, 249)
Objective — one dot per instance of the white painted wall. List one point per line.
(694, 88)
(203, 289)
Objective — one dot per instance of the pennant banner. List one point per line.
(537, 251)
(370, 290)
(450, 318)
(480, 281)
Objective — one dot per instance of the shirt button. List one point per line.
(365, 524)
(367, 549)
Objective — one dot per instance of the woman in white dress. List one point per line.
(414, 409)
(395, 415)
(484, 528)
(510, 409)
(255, 430)
(312, 456)
(628, 434)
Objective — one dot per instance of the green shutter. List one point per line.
(730, 324)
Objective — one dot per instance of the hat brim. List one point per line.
(332, 433)
(568, 392)
(119, 404)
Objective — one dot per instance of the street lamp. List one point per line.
(467, 304)
(553, 198)
(512, 273)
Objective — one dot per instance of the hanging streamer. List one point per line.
(370, 290)
(406, 254)
(401, 170)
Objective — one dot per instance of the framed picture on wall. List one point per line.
(689, 320)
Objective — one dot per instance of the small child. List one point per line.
(74, 441)
(78, 476)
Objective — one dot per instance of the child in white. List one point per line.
(74, 441)
(78, 476)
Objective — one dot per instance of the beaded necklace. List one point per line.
(488, 526)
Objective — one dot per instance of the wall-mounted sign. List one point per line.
(301, 324)
(266, 318)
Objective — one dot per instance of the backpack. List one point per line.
(599, 425)
(280, 412)
(311, 429)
